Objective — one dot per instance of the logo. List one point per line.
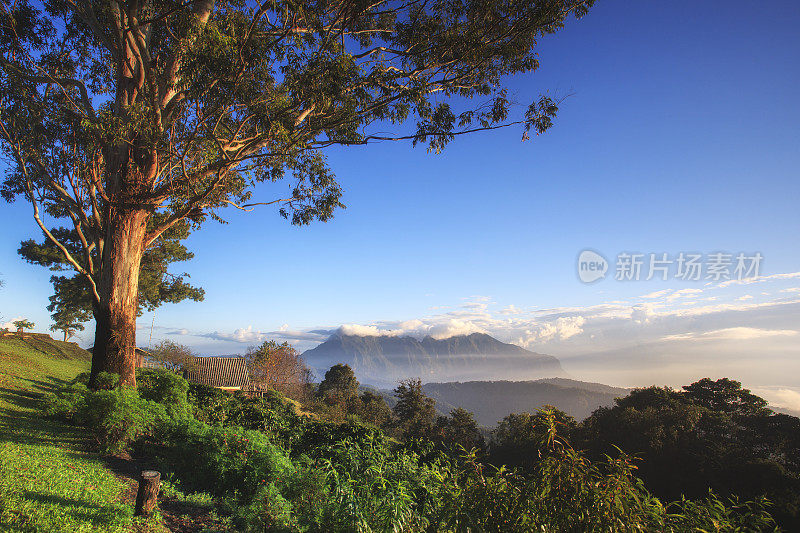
(591, 266)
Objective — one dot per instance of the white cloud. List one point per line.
(678, 335)
(561, 329)
(436, 328)
(246, 335)
(759, 279)
(780, 397)
(10, 324)
(737, 333)
(657, 294)
(641, 313)
(453, 327)
(683, 293)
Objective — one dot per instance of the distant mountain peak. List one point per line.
(385, 359)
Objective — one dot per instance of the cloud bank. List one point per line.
(668, 336)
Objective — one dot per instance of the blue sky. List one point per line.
(680, 134)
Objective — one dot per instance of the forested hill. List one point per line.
(491, 401)
(383, 360)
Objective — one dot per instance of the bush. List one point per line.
(166, 388)
(271, 413)
(209, 404)
(65, 403)
(117, 417)
(224, 460)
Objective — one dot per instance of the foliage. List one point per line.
(270, 413)
(279, 367)
(166, 388)
(340, 383)
(727, 396)
(414, 412)
(567, 492)
(171, 355)
(368, 486)
(71, 301)
(373, 409)
(713, 436)
(23, 324)
(458, 432)
(294, 474)
(517, 440)
(67, 321)
(336, 398)
(118, 416)
(209, 404)
(224, 460)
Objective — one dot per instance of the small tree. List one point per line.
(171, 355)
(340, 380)
(459, 430)
(68, 327)
(279, 367)
(373, 409)
(414, 412)
(726, 395)
(23, 324)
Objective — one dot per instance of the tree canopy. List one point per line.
(278, 366)
(23, 324)
(414, 412)
(127, 119)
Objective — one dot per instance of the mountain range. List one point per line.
(383, 360)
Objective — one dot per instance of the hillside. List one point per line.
(48, 479)
(33, 358)
(383, 360)
(491, 401)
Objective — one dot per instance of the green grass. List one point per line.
(48, 482)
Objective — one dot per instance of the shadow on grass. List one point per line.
(84, 511)
(25, 425)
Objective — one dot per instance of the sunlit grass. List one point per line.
(47, 481)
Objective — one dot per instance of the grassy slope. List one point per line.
(47, 481)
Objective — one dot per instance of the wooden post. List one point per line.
(147, 497)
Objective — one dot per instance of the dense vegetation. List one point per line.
(356, 465)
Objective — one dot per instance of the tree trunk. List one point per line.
(115, 317)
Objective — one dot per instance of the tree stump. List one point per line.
(147, 497)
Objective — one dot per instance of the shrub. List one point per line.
(117, 417)
(209, 404)
(166, 388)
(270, 413)
(316, 437)
(269, 511)
(106, 381)
(223, 460)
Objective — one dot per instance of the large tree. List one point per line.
(126, 118)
